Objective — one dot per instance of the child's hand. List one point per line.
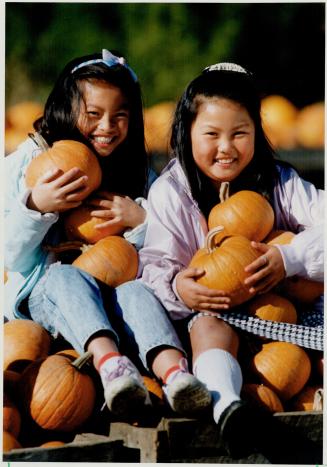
(198, 297)
(267, 270)
(57, 191)
(116, 209)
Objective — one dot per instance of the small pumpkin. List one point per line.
(310, 126)
(244, 213)
(52, 444)
(11, 417)
(223, 259)
(24, 341)
(112, 260)
(261, 396)
(296, 287)
(9, 442)
(57, 394)
(80, 225)
(273, 307)
(310, 398)
(64, 155)
(154, 388)
(278, 120)
(283, 367)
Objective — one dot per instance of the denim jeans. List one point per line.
(68, 301)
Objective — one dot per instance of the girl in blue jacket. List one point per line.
(96, 100)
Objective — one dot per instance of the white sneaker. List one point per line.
(124, 390)
(187, 395)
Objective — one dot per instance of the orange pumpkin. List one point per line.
(112, 260)
(80, 225)
(157, 126)
(223, 260)
(308, 399)
(9, 442)
(22, 115)
(65, 155)
(56, 394)
(273, 307)
(279, 119)
(296, 287)
(11, 417)
(24, 342)
(261, 396)
(52, 444)
(310, 126)
(245, 213)
(283, 367)
(153, 387)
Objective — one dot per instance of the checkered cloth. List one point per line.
(310, 337)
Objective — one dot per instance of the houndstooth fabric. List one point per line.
(308, 336)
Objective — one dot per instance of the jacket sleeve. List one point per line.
(299, 207)
(173, 235)
(24, 228)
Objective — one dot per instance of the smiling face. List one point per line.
(103, 117)
(222, 136)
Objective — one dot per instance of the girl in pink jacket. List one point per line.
(218, 142)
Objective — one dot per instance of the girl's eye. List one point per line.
(92, 113)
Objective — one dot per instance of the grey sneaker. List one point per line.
(186, 395)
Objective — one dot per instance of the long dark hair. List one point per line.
(260, 173)
(125, 171)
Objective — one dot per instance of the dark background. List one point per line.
(169, 43)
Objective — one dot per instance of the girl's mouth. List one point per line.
(103, 139)
(226, 161)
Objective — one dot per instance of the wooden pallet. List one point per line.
(297, 439)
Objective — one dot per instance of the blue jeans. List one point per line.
(68, 301)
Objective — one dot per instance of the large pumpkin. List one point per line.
(11, 417)
(112, 260)
(57, 394)
(245, 213)
(80, 225)
(261, 396)
(65, 155)
(24, 341)
(295, 287)
(223, 259)
(283, 367)
(273, 307)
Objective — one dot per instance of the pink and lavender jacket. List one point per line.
(177, 229)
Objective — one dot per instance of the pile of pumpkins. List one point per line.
(57, 391)
(50, 395)
(280, 374)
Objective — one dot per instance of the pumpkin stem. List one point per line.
(82, 360)
(65, 246)
(210, 243)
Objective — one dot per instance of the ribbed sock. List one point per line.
(222, 375)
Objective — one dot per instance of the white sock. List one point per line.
(222, 375)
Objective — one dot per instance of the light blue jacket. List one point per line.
(26, 231)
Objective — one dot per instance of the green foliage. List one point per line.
(167, 44)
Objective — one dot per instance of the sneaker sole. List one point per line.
(127, 400)
(189, 400)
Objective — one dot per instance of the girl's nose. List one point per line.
(224, 145)
(106, 123)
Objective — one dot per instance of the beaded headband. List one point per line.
(225, 66)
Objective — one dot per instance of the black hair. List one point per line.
(259, 175)
(126, 170)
